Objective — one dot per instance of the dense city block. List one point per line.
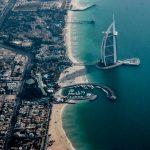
(32, 56)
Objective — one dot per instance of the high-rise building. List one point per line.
(109, 48)
(109, 58)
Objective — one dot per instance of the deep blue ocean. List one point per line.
(124, 125)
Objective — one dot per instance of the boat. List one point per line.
(85, 88)
(98, 87)
(71, 102)
(71, 90)
(92, 98)
(92, 87)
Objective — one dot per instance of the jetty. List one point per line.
(82, 8)
(82, 22)
(77, 97)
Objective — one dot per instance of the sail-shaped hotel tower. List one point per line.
(109, 48)
(109, 58)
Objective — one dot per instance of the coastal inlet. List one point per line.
(81, 92)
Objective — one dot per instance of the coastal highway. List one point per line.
(6, 10)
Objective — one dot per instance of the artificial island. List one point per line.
(109, 58)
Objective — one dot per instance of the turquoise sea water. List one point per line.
(124, 125)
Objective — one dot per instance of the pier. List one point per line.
(75, 99)
(82, 22)
(83, 8)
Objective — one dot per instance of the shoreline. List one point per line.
(56, 129)
(61, 141)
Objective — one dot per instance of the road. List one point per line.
(6, 10)
(26, 72)
(18, 100)
(27, 68)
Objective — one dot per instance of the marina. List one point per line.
(84, 91)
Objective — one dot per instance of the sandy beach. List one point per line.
(56, 130)
(72, 75)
